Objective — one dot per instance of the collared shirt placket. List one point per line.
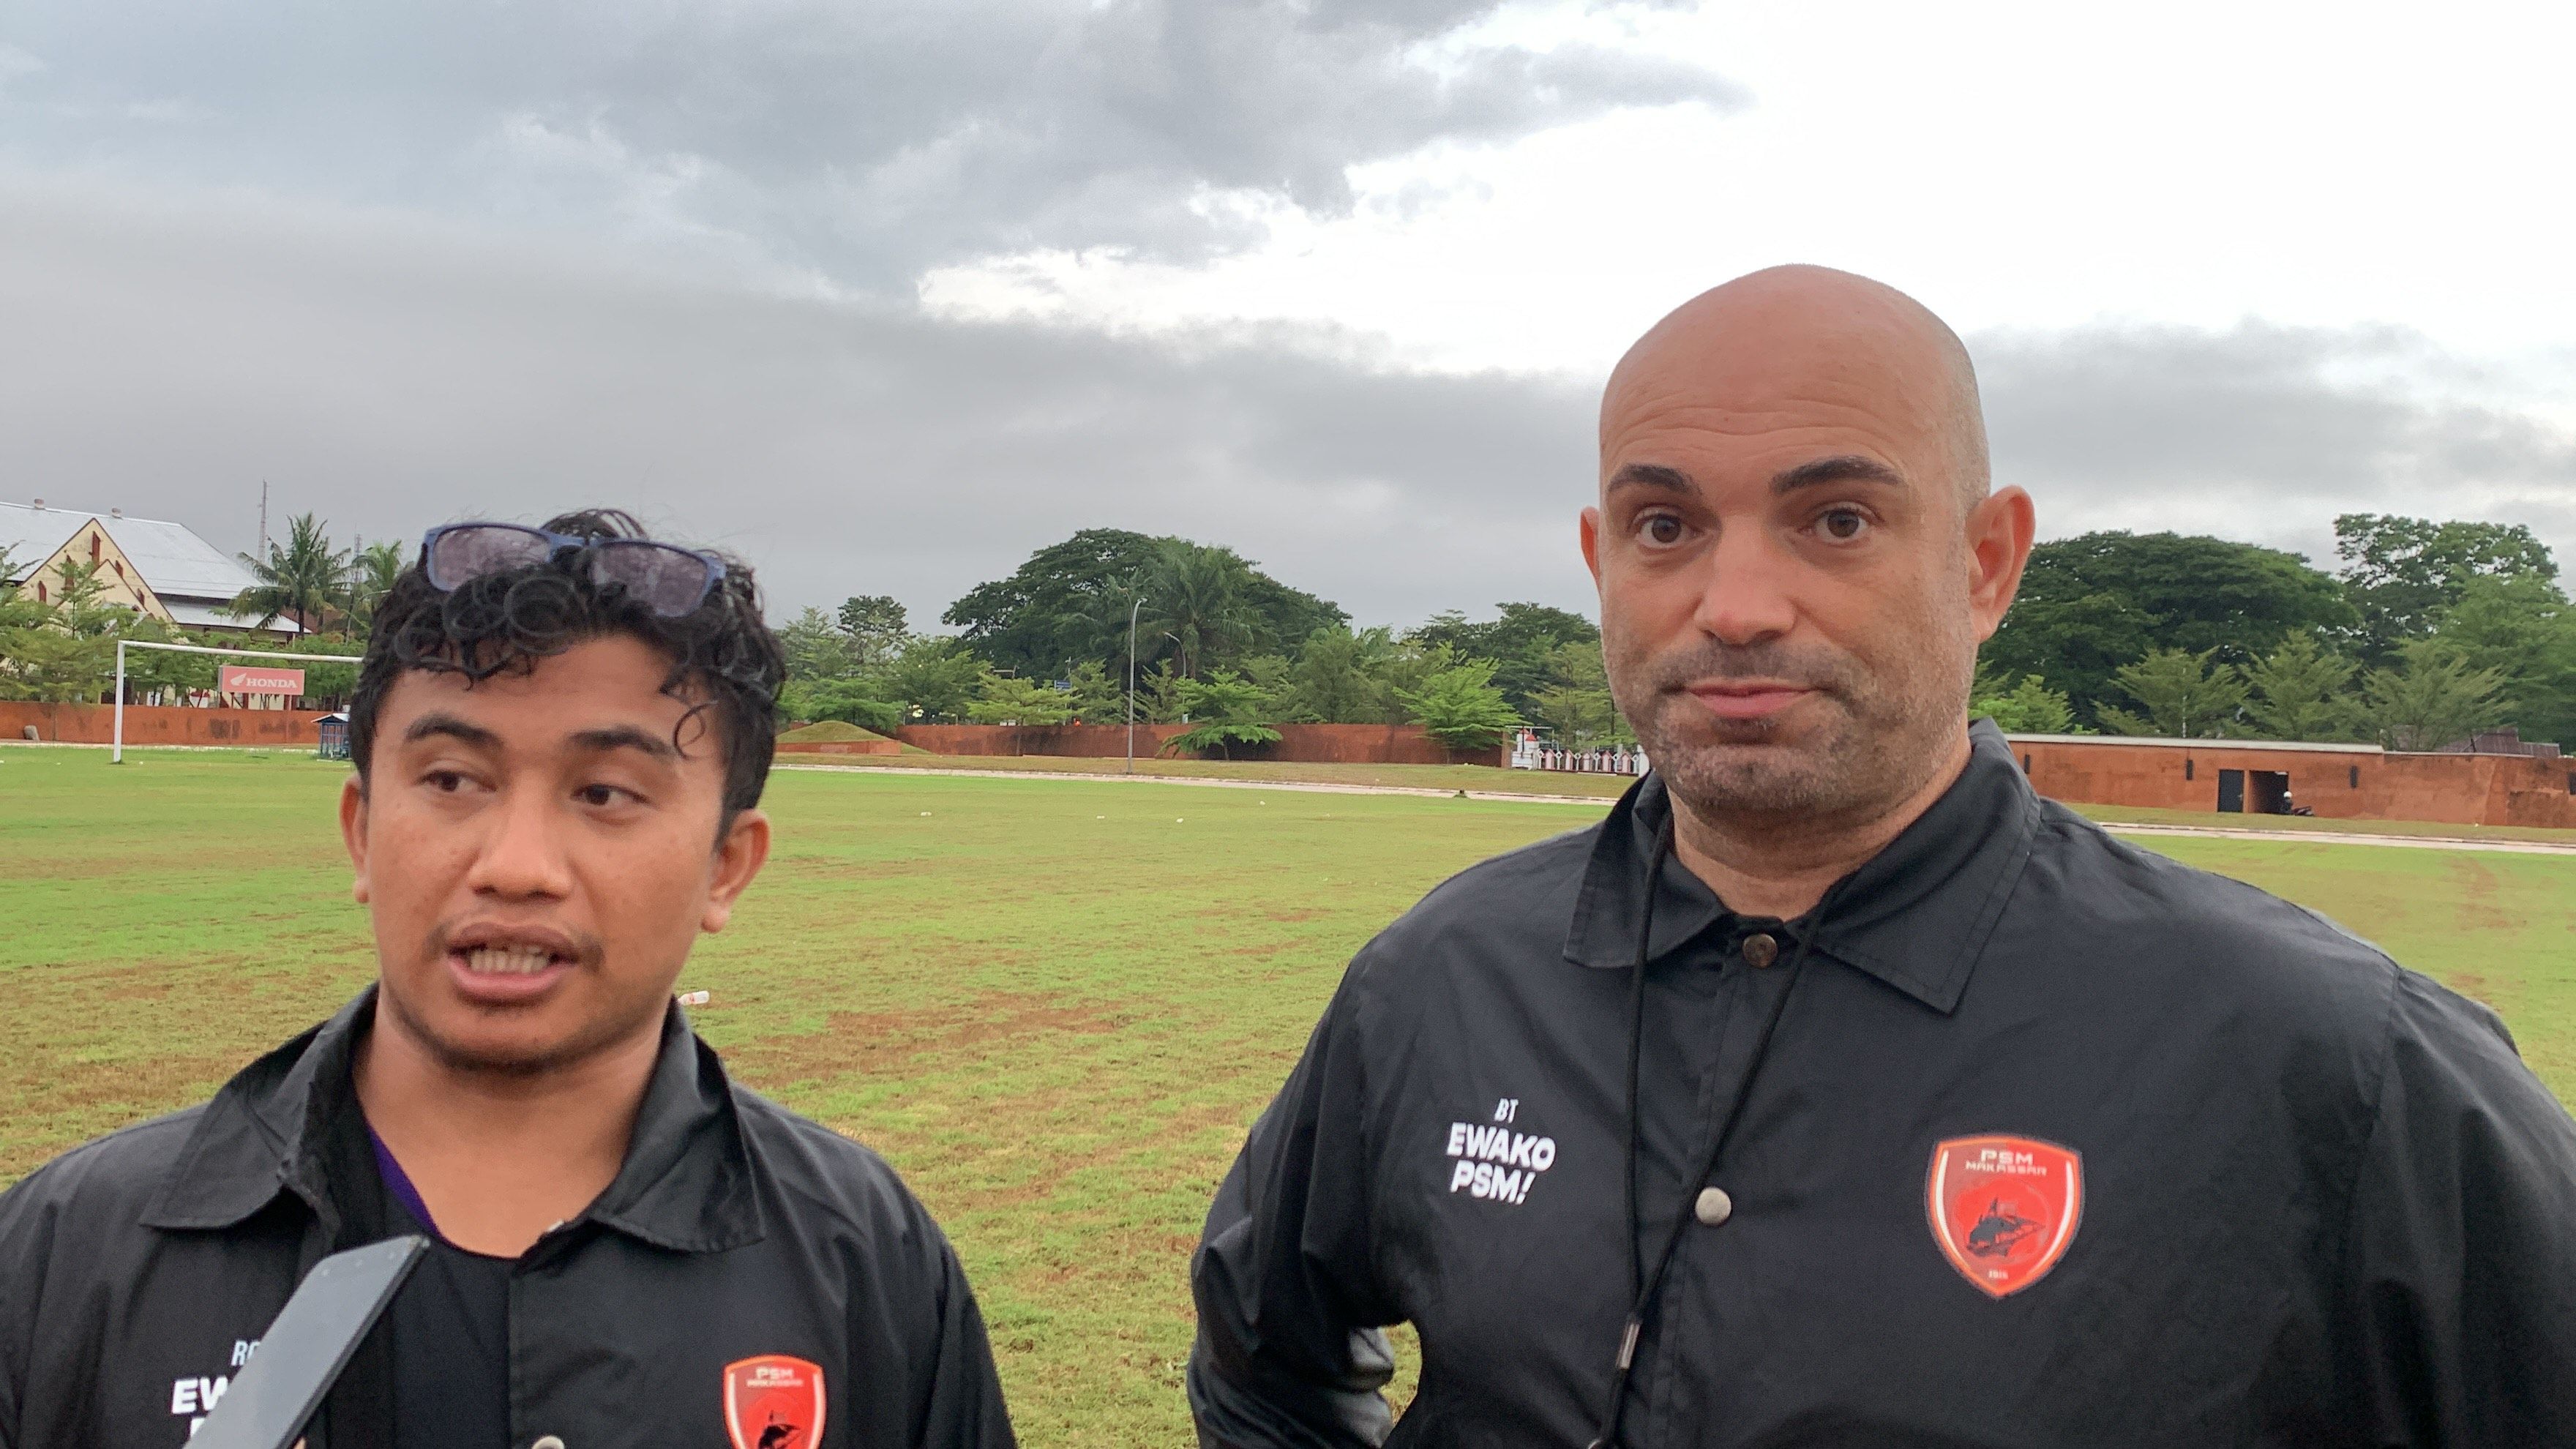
(1688, 1314)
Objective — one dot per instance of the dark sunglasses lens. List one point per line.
(460, 554)
(669, 581)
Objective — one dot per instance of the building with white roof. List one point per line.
(161, 569)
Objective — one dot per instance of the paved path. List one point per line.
(1599, 802)
(2341, 837)
(1325, 787)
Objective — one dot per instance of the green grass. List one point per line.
(1054, 1004)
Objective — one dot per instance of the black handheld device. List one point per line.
(304, 1350)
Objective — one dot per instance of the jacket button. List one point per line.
(1713, 1207)
(548, 1441)
(1760, 951)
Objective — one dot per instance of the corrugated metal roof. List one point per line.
(30, 535)
(172, 559)
(194, 615)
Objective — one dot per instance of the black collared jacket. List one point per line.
(2056, 1143)
(137, 1272)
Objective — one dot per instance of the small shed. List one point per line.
(333, 730)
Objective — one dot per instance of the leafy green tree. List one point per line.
(1460, 707)
(2091, 605)
(1576, 705)
(1225, 709)
(936, 676)
(372, 572)
(1158, 695)
(851, 701)
(2186, 696)
(2522, 629)
(1199, 599)
(1336, 677)
(875, 625)
(2027, 708)
(1070, 601)
(2430, 697)
(1098, 696)
(1521, 639)
(2401, 573)
(816, 648)
(1008, 699)
(2300, 691)
(304, 578)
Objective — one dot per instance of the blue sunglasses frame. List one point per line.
(712, 566)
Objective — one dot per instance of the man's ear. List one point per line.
(2000, 529)
(1588, 534)
(739, 857)
(353, 831)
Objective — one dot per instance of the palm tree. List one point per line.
(303, 578)
(371, 576)
(1201, 597)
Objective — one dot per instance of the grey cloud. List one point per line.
(389, 378)
(864, 142)
(2261, 432)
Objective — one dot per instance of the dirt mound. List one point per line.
(828, 732)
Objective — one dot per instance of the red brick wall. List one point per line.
(2448, 789)
(1348, 744)
(94, 724)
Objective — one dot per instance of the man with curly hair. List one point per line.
(561, 735)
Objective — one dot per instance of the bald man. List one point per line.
(1836, 1089)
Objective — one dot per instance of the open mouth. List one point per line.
(509, 966)
(507, 960)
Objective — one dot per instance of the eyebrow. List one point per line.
(1652, 475)
(1842, 468)
(625, 737)
(449, 725)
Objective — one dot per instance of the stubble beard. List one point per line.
(465, 1057)
(1865, 741)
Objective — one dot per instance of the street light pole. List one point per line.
(1131, 682)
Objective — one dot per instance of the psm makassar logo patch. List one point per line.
(2004, 1208)
(773, 1402)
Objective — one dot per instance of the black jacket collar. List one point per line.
(688, 1183)
(1915, 916)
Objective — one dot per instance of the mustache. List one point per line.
(1772, 660)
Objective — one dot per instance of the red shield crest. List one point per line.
(2004, 1208)
(773, 1402)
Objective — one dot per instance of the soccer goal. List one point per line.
(117, 753)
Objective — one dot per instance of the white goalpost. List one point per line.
(116, 755)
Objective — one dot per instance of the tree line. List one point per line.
(1212, 641)
(2424, 633)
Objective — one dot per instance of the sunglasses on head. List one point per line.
(664, 577)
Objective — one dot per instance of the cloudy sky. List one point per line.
(884, 295)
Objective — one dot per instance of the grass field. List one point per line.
(1054, 1004)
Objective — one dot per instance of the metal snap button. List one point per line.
(1760, 950)
(1713, 1207)
(547, 1441)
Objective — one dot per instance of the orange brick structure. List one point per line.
(1343, 744)
(95, 724)
(2341, 782)
(839, 747)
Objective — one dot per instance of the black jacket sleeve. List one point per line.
(2461, 1265)
(957, 1402)
(1289, 1351)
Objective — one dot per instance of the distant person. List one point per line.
(1837, 1090)
(560, 738)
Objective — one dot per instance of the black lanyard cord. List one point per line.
(1644, 1283)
